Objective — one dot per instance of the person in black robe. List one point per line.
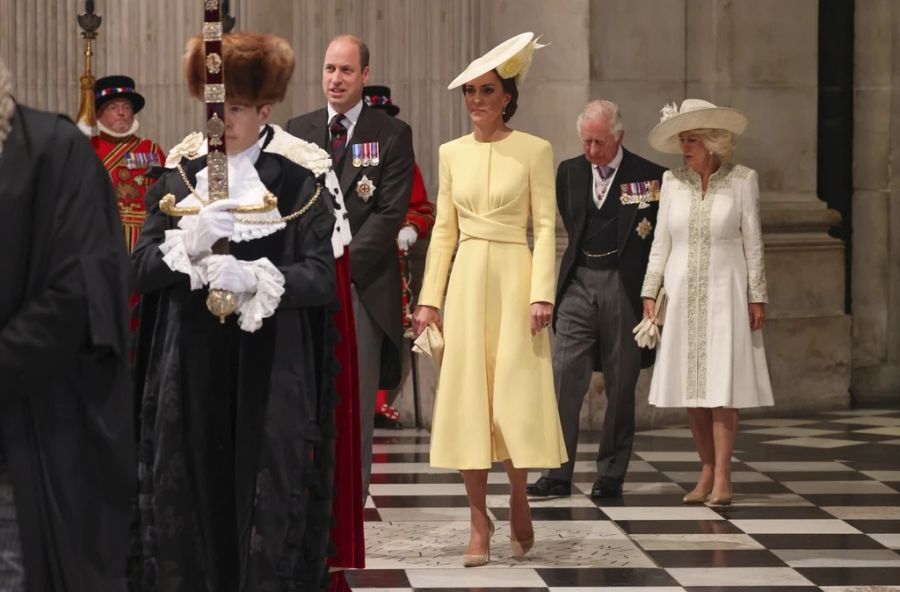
(237, 429)
(67, 444)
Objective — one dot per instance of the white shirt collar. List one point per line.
(614, 163)
(352, 116)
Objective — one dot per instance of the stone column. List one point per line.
(876, 217)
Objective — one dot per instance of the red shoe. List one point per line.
(388, 417)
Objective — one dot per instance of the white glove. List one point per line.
(407, 237)
(227, 273)
(212, 223)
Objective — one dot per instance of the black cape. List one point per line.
(237, 430)
(65, 405)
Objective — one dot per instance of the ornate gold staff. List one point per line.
(219, 302)
(89, 23)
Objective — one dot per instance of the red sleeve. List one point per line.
(421, 211)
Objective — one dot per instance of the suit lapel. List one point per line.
(317, 130)
(365, 131)
(627, 213)
(581, 191)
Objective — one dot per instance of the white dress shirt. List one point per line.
(601, 186)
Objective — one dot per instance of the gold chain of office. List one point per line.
(261, 221)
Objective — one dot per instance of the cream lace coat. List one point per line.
(708, 252)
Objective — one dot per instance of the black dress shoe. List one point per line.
(605, 487)
(547, 487)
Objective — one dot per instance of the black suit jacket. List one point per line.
(574, 185)
(374, 264)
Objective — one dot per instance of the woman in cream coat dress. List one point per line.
(495, 397)
(708, 254)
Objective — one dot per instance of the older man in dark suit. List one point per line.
(373, 157)
(608, 200)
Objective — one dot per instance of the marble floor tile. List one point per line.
(817, 541)
(606, 578)
(484, 577)
(738, 576)
(676, 527)
(864, 512)
(869, 421)
(659, 487)
(618, 589)
(662, 513)
(798, 466)
(892, 442)
(852, 576)
(883, 431)
(736, 476)
(883, 475)
(575, 500)
(665, 456)
(795, 526)
(791, 432)
(861, 412)
(384, 579)
(839, 557)
(837, 487)
(876, 526)
(715, 558)
(570, 544)
(369, 503)
(424, 514)
(860, 588)
(891, 541)
(763, 512)
(668, 433)
(768, 500)
(814, 442)
(775, 422)
(383, 489)
(665, 542)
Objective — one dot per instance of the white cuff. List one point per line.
(175, 255)
(255, 307)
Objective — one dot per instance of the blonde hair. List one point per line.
(718, 142)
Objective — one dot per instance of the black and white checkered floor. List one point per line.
(816, 507)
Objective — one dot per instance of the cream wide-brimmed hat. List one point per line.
(693, 114)
(512, 59)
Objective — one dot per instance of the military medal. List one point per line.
(365, 188)
(375, 157)
(357, 155)
(365, 155)
(644, 228)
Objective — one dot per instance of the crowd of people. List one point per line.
(148, 445)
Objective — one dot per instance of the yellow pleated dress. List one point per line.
(495, 396)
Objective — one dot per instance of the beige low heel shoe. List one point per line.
(521, 548)
(481, 559)
(698, 497)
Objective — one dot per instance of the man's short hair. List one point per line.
(602, 109)
(360, 44)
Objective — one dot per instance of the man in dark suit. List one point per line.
(608, 199)
(373, 158)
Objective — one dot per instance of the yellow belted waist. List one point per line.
(474, 226)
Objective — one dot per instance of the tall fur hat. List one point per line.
(257, 67)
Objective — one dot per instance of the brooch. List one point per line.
(365, 188)
(644, 228)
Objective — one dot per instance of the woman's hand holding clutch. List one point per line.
(650, 309)
(424, 316)
(541, 314)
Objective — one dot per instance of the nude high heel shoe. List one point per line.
(697, 497)
(521, 547)
(479, 560)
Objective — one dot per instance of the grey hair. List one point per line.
(601, 109)
(718, 142)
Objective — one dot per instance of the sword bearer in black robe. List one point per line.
(236, 445)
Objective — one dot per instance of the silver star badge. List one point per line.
(365, 188)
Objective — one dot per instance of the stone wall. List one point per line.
(876, 210)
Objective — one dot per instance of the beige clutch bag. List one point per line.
(430, 343)
(647, 333)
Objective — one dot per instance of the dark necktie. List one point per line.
(338, 137)
(605, 171)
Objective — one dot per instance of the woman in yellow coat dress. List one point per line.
(495, 397)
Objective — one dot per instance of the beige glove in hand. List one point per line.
(646, 333)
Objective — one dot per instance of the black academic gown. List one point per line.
(65, 408)
(236, 450)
